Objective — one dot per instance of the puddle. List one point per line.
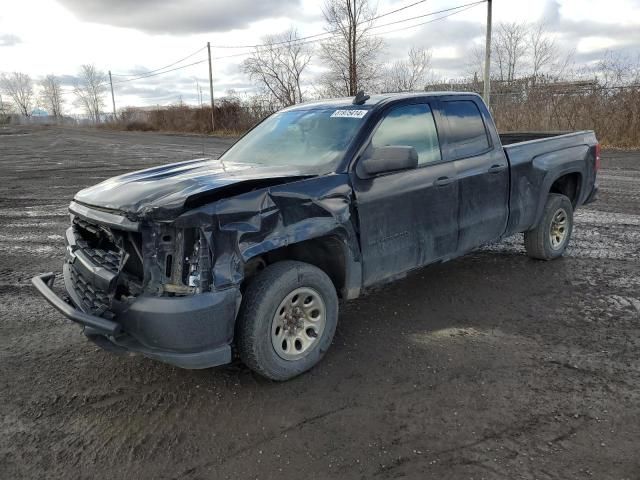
(466, 335)
(597, 235)
(623, 303)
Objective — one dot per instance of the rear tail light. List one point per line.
(597, 163)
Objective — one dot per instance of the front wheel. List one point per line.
(550, 238)
(287, 319)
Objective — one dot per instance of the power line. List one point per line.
(150, 73)
(274, 43)
(160, 73)
(161, 68)
(459, 9)
(452, 10)
(470, 5)
(105, 84)
(398, 10)
(323, 33)
(302, 40)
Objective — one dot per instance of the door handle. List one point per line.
(443, 181)
(496, 168)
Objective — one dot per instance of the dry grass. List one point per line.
(231, 118)
(522, 105)
(529, 105)
(614, 114)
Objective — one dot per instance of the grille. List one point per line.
(104, 258)
(99, 245)
(116, 252)
(93, 300)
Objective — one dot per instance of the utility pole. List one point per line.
(113, 98)
(354, 49)
(487, 57)
(213, 123)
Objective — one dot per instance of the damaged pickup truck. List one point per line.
(250, 253)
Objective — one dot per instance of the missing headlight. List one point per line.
(199, 261)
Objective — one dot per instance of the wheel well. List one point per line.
(326, 253)
(569, 186)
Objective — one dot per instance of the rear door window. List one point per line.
(411, 125)
(467, 132)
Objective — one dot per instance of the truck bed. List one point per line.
(508, 138)
(525, 146)
(532, 156)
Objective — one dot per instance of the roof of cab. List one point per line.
(374, 100)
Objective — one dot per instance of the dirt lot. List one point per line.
(491, 366)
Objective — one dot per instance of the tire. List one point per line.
(551, 236)
(260, 342)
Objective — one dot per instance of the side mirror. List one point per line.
(388, 159)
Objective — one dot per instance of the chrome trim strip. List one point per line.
(105, 218)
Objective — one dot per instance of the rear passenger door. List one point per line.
(407, 218)
(481, 171)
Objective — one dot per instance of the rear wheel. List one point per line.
(550, 238)
(287, 319)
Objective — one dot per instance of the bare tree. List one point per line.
(543, 50)
(408, 74)
(617, 69)
(474, 60)
(19, 87)
(509, 49)
(350, 55)
(90, 89)
(5, 108)
(51, 95)
(278, 66)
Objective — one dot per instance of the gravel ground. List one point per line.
(490, 366)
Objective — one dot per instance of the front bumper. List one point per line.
(189, 332)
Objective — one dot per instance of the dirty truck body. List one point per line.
(182, 262)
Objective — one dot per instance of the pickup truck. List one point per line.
(248, 255)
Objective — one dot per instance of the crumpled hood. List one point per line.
(166, 188)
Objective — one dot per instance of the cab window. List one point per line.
(467, 133)
(411, 125)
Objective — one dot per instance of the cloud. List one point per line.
(9, 40)
(169, 89)
(452, 33)
(551, 12)
(180, 17)
(568, 33)
(573, 36)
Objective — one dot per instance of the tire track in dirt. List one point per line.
(491, 366)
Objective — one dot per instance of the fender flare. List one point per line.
(554, 165)
(545, 190)
(346, 239)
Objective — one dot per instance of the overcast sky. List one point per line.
(135, 36)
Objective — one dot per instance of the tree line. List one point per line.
(353, 59)
(88, 93)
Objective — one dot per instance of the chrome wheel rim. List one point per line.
(559, 228)
(298, 323)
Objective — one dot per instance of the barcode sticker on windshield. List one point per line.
(349, 113)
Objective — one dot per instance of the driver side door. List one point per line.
(408, 218)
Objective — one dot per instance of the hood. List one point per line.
(165, 191)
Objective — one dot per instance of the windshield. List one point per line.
(313, 140)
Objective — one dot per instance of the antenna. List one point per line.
(361, 97)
